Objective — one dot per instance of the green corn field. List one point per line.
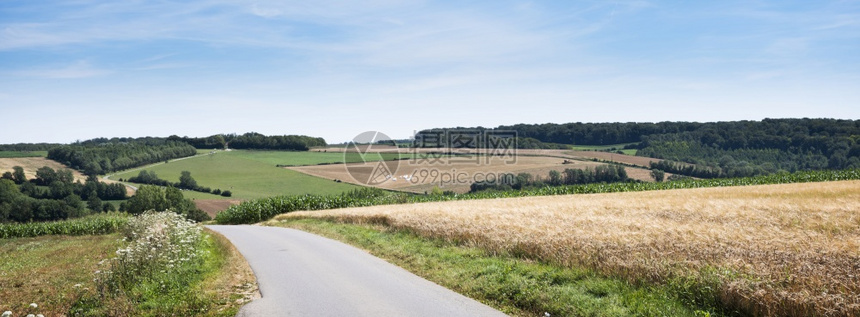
(96, 224)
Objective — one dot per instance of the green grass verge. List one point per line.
(247, 174)
(516, 286)
(14, 154)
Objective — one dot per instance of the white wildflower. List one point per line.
(33, 305)
(6, 314)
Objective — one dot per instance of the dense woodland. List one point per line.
(95, 157)
(53, 195)
(721, 149)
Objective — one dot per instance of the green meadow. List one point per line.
(249, 174)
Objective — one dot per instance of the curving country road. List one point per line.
(302, 274)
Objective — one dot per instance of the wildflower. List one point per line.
(77, 285)
(6, 314)
(33, 305)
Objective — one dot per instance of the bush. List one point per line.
(226, 193)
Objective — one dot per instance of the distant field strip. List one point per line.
(10, 154)
(775, 250)
(247, 174)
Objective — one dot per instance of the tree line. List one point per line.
(253, 141)
(570, 176)
(185, 182)
(28, 147)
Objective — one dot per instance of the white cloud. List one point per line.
(79, 69)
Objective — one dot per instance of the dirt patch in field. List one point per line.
(213, 206)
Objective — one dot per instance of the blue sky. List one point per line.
(81, 69)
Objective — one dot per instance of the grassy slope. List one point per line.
(44, 270)
(513, 285)
(248, 174)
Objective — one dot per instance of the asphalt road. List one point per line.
(302, 274)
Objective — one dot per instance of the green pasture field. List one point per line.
(248, 174)
(14, 154)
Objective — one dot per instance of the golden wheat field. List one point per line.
(772, 250)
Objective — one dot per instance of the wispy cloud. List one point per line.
(79, 69)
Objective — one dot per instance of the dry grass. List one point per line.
(774, 250)
(31, 164)
(235, 284)
(44, 270)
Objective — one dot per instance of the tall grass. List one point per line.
(95, 224)
(263, 209)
